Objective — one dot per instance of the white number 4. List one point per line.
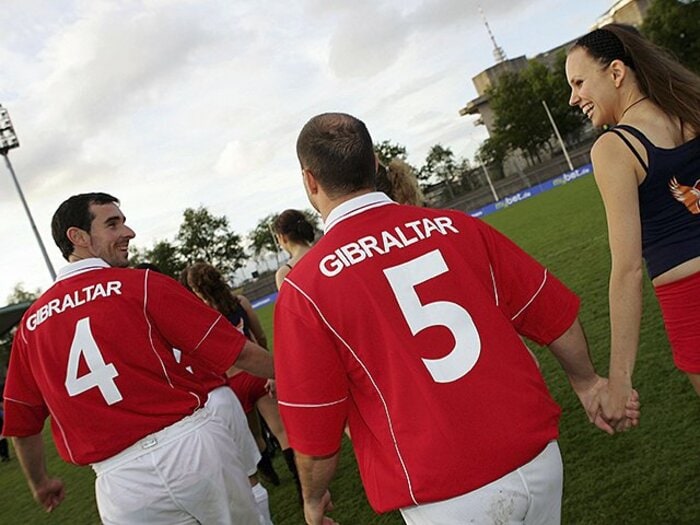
(403, 279)
(101, 375)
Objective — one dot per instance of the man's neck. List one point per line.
(327, 205)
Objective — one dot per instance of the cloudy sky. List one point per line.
(169, 104)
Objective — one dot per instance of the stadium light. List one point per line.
(556, 131)
(8, 141)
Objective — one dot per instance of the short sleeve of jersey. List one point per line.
(25, 411)
(191, 326)
(312, 387)
(540, 307)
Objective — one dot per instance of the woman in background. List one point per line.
(647, 168)
(399, 182)
(295, 234)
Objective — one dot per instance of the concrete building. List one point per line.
(623, 11)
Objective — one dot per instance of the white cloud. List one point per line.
(170, 104)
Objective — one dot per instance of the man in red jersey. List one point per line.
(405, 323)
(95, 353)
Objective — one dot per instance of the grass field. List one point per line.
(648, 476)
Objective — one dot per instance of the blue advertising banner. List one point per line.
(264, 301)
(532, 191)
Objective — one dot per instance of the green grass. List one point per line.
(648, 476)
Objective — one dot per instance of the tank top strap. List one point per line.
(637, 134)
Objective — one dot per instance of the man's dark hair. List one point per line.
(75, 212)
(338, 150)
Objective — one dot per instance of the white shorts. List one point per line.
(529, 495)
(189, 472)
(224, 404)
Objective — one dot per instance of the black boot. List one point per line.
(292, 466)
(266, 470)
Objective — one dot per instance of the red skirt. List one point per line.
(248, 389)
(680, 307)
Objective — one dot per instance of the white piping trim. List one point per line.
(207, 334)
(21, 402)
(63, 434)
(312, 405)
(374, 384)
(493, 280)
(150, 327)
(533, 297)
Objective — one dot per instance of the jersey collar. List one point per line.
(81, 266)
(355, 206)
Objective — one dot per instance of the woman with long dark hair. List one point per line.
(647, 168)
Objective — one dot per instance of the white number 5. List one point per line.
(403, 279)
(101, 375)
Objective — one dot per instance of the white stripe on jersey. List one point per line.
(150, 327)
(374, 384)
(493, 280)
(533, 297)
(208, 332)
(312, 405)
(63, 434)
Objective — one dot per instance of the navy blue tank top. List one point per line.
(669, 202)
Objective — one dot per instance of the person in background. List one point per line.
(647, 168)
(295, 234)
(399, 182)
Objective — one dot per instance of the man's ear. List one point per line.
(310, 182)
(618, 70)
(78, 238)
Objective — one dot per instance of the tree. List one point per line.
(520, 118)
(262, 239)
(164, 255)
(440, 165)
(18, 295)
(386, 151)
(570, 119)
(675, 25)
(205, 237)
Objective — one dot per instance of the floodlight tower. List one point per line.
(8, 140)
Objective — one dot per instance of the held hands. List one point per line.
(50, 493)
(595, 398)
(619, 405)
(314, 511)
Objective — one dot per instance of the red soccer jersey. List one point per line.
(405, 322)
(95, 352)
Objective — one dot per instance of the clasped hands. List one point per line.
(610, 407)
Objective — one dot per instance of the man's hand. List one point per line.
(49, 493)
(592, 395)
(619, 406)
(314, 511)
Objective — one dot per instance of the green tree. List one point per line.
(521, 121)
(386, 151)
(440, 165)
(206, 237)
(262, 240)
(164, 255)
(18, 295)
(675, 25)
